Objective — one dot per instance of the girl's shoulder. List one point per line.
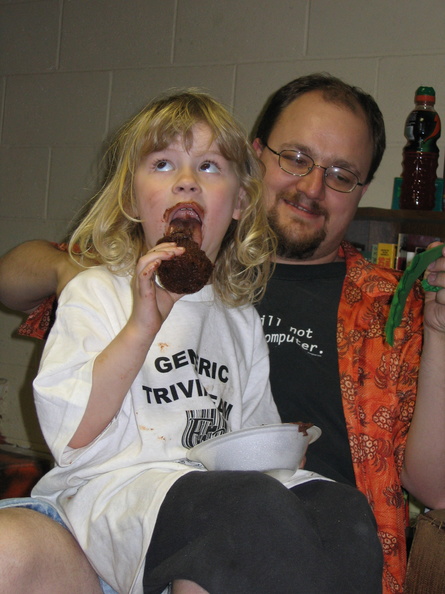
(99, 275)
(97, 280)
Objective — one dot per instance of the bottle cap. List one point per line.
(425, 95)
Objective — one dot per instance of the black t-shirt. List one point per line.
(299, 316)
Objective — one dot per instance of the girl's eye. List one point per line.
(163, 165)
(209, 167)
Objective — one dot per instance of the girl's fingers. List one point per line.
(148, 271)
(161, 252)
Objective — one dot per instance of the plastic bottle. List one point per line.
(420, 154)
(443, 188)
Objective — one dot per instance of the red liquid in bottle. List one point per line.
(420, 154)
(418, 191)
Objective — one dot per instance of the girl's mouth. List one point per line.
(186, 218)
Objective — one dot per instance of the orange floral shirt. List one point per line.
(378, 385)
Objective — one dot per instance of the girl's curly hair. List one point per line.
(110, 235)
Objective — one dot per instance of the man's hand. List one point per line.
(434, 314)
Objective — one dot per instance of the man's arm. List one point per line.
(424, 469)
(33, 271)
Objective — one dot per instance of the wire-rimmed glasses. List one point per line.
(299, 164)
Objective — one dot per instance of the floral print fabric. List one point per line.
(378, 386)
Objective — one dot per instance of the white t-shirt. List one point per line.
(206, 373)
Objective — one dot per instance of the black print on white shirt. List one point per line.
(166, 394)
(210, 369)
(277, 335)
(190, 388)
(205, 424)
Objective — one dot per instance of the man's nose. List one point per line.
(313, 184)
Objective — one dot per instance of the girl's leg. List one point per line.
(187, 587)
(244, 533)
(348, 531)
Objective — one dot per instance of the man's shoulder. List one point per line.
(356, 261)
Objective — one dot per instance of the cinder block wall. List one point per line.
(72, 70)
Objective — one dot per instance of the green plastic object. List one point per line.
(426, 285)
(426, 91)
(416, 268)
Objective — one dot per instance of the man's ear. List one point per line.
(239, 206)
(258, 146)
(364, 190)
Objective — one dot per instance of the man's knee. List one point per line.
(35, 549)
(19, 533)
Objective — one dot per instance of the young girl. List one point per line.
(133, 376)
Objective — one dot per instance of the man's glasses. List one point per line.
(299, 164)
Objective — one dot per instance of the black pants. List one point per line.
(244, 533)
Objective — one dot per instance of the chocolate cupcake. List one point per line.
(187, 273)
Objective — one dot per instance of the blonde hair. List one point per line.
(110, 235)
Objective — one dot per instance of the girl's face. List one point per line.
(199, 186)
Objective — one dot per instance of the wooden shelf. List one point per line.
(381, 225)
(379, 214)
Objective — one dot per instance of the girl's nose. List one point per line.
(186, 182)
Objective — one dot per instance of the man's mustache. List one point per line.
(298, 199)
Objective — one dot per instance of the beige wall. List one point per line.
(71, 70)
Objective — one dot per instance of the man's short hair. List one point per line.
(333, 90)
